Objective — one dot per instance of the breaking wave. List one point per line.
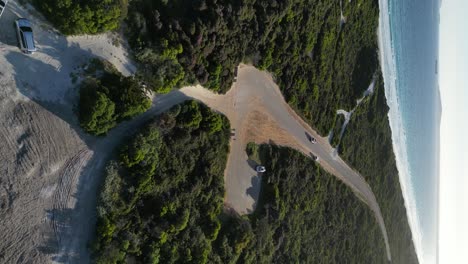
(387, 61)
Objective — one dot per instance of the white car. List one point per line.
(2, 6)
(310, 138)
(260, 168)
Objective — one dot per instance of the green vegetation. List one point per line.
(162, 196)
(108, 98)
(252, 151)
(73, 17)
(301, 42)
(97, 111)
(162, 200)
(367, 146)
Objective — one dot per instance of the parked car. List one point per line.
(2, 6)
(25, 35)
(260, 168)
(314, 157)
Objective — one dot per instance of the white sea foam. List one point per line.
(387, 61)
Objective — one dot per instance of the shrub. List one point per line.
(74, 17)
(97, 111)
(112, 98)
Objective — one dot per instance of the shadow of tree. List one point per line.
(252, 163)
(254, 190)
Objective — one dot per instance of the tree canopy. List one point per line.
(162, 197)
(162, 200)
(97, 111)
(107, 98)
(74, 17)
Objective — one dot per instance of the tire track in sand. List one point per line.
(67, 182)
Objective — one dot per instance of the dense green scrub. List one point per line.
(367, 146)
(163, 194)
(319, 65)
(162, 200)
(107, 98)
(73, 17)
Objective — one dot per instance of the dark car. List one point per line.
(314, 157)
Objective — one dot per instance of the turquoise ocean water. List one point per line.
(408, 34)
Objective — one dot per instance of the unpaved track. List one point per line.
(50, 170)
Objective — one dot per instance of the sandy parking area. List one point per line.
(44, 156)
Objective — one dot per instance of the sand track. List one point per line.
(67, 181)
(36, 144)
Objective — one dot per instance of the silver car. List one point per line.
(2, 6)
(25, 35)
(260, 168)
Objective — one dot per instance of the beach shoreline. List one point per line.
(387, 62)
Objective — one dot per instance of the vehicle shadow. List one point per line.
(252, 163)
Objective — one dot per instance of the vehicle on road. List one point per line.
(2, 6)
(25, 35)
(310, 138)
(260, 168)
(314, 157)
